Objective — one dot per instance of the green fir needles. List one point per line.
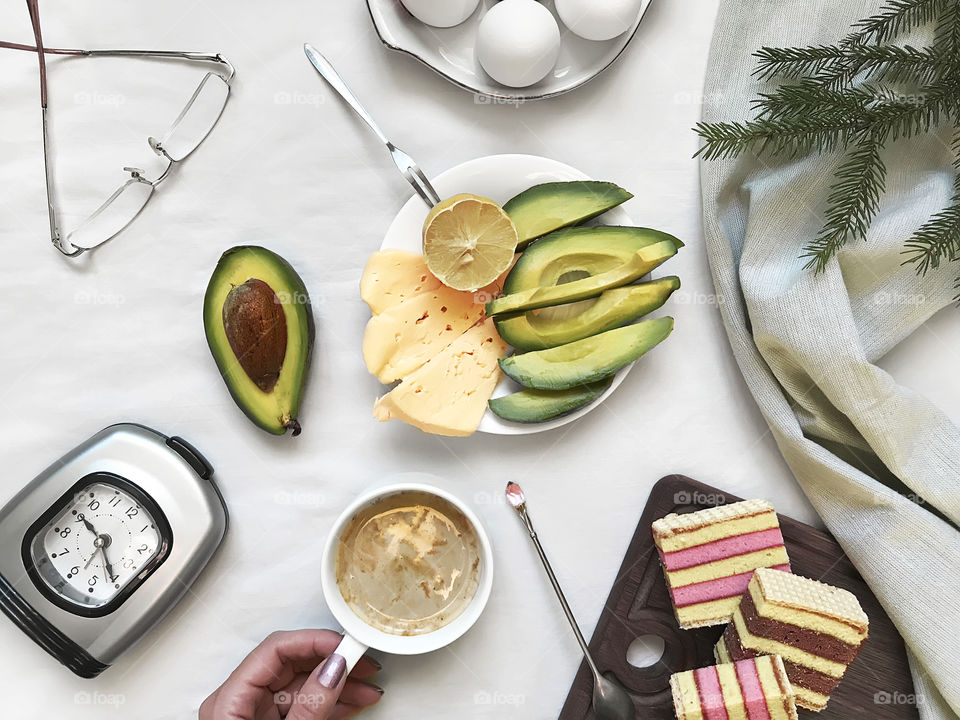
(857, 96)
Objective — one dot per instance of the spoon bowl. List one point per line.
(610, 700)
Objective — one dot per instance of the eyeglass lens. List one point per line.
(197, 119)
(114, 215)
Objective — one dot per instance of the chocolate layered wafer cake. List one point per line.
(754, 689)
(709, 556)
(816, 628)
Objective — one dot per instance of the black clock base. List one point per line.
(74, 657)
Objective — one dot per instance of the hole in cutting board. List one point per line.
(646, 651)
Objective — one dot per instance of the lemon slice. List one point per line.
(468, 241)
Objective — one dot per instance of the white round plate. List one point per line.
(499, 177)
(450, 51)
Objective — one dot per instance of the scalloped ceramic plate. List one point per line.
(450, 52)
(499, 177)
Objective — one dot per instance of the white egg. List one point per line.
(441, 13)
(598, 19)
(518, 42)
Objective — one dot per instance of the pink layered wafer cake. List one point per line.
(709, 557)
(754, 689)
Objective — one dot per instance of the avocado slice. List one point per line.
(532, 406)
(640, 263)
(577, 252)
(586, 361)
(259, 326)
(551, 206)
(547, 328)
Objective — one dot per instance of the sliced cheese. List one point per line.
(401, 339)
(392, 276)
(448, 395)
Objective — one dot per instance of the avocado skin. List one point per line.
(643, 261)
(591, 250)
(550, 206)
(533, 406)
(614, 308)
(247, 260)
(586, 361)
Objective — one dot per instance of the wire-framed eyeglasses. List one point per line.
(184, 135)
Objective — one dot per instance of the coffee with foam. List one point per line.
(408, 563)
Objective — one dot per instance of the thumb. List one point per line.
(318, 696)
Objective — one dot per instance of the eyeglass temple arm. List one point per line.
(173, 54)
(33, 48)
(34, 11)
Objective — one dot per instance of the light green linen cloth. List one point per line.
(807, 343)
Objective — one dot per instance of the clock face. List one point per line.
(97, 544)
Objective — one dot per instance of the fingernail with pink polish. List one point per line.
(332, 671)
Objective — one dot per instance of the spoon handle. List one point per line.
(556, 586)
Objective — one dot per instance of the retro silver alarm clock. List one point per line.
(102, 544)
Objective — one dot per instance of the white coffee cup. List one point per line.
(358, 636)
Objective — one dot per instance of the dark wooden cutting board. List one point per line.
(877, 685)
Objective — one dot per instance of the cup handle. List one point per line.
(351, 650)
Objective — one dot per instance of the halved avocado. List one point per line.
(586, 361)
(547, 328)
(259, 326)
(572, 253)
(551, 206)
(640, 263)
(532, 406)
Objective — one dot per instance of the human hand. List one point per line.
(294, 675)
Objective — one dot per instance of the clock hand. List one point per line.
(107, 568)
(97, 544)
(89, 526)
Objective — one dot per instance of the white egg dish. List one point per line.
(453, 51)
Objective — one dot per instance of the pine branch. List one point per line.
(905, 64)
(853, 201)
(858, 95)
(938, 239)
(832, 66)
(947, 35)
(809, 97)
(895, 116)
(800, 119)
(792, 63)
(840, 74)
(790, 137)
(898, 17)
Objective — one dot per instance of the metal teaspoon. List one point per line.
(610, 700)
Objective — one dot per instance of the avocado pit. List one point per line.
(256, 328)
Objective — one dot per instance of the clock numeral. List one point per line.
(79, 518)
(128, 564)
(142, 549)
(132, 512)
(92, 581)
(94, 505)
(75, 570)
(115, 501)
(65, 551)
(65, 532)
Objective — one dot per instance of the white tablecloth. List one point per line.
(118, 336)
